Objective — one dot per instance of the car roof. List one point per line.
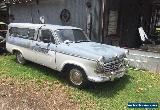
(45, 26)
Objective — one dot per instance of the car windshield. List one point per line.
(72, 35)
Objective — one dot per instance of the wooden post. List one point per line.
(105, 20)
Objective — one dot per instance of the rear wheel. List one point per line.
(19, 57)
(77, 77)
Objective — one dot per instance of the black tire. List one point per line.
(77, 77)
(19, 58)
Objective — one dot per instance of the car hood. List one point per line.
(91, 50)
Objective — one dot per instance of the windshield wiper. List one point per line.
(82, 41)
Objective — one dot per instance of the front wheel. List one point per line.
(20, 59)
(77, 78)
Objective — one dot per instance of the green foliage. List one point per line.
(136, 86)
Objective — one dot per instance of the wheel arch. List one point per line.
(68, 65)
(15, 50)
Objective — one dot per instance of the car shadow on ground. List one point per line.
(46, 71)
(109, 89)
(3, 52)
(105, 90)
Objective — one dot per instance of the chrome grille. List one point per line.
(113, 65)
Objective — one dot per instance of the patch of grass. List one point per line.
(135, 87)
(32, 71)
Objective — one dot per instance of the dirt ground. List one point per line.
(33, 95)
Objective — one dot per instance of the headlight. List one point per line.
(127, 52)
(100, 65)
(101, 60)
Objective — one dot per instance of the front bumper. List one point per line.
(108, 76)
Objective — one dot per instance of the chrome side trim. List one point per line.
(74, 55)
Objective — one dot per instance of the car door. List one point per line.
(32, 34)
(45, 48)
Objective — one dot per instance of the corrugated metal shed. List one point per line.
(51, 9)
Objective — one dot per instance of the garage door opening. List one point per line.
(123, 20)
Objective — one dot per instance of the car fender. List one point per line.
(16, 49)
(72, 62)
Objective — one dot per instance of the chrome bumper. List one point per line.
(108, 76)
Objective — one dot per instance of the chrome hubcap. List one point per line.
(76, 77)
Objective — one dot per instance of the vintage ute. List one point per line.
(68, 50)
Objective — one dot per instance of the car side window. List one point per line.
(23, 33)
(19, 32)
(13, 31)
(46, 36)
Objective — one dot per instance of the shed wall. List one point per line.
(51, 9)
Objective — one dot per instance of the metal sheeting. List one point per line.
(30, 13)
(51, 10)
